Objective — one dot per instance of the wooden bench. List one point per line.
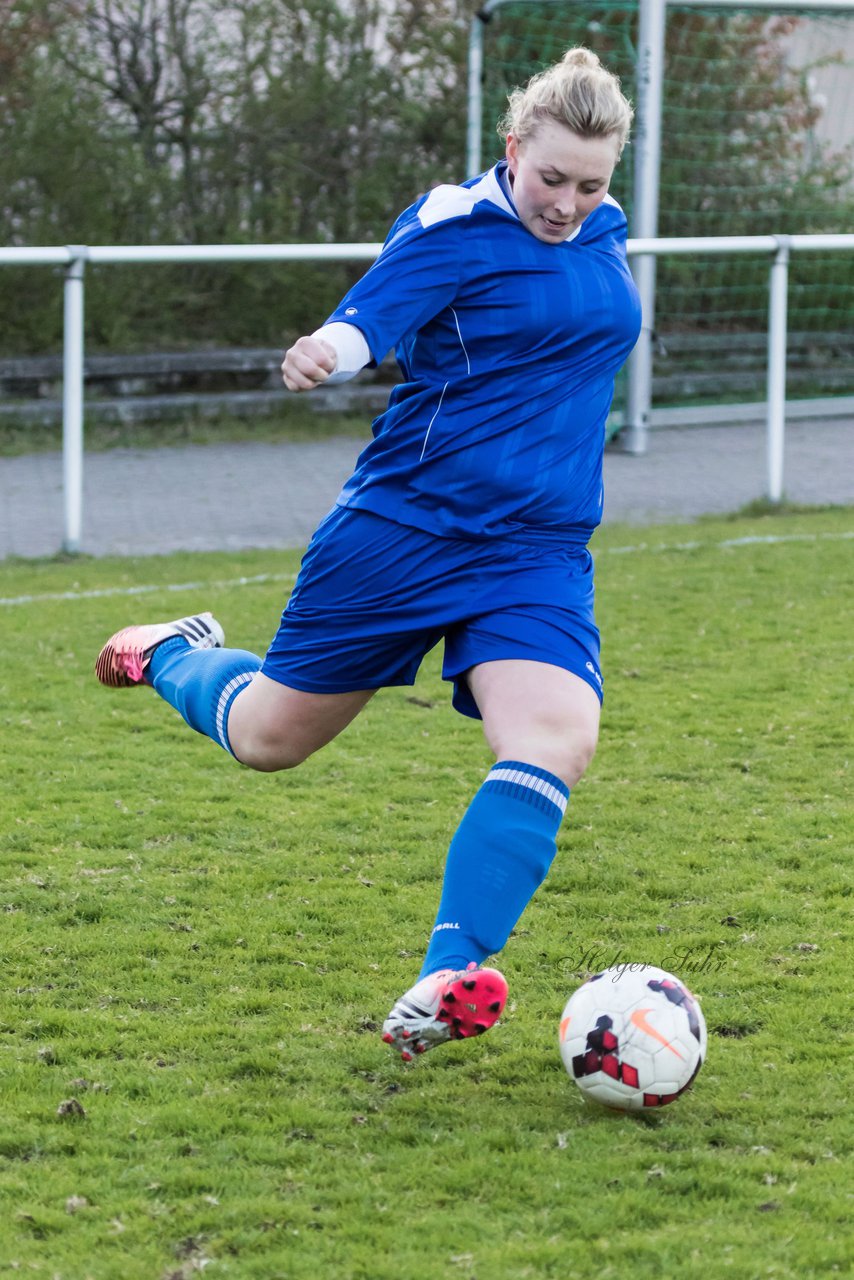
(244, 381)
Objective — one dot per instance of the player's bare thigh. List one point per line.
(271, 726)
(537, 713)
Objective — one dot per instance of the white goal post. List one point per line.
(75, 257)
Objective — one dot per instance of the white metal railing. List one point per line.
(75, 257)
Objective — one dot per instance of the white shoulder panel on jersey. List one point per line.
(448, 201)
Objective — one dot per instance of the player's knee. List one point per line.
(266, 761)
(266, 754)
(573, 748)
(579, 748)
(565, 752)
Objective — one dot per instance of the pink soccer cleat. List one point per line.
(448, 1005)
(123, 659)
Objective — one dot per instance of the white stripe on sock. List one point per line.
(529, 780)
(237, 682)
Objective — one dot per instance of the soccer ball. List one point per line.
(632, 1037)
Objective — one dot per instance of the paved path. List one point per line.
(225, 497)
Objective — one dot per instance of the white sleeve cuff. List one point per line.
(350, 346)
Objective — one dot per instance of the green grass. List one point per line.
(292, 423)
(201, 956)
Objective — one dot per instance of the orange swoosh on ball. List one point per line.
(640, 1020)
(563, 1028)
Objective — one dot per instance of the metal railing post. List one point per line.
(647, 149)
(474, 116)
(776, 404)
(72, 400)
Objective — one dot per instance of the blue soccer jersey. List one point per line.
(509, 347)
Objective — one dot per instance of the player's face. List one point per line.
(558, 178)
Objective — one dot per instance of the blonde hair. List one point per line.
(577, 92)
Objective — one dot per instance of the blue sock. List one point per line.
(498, 858)
(201, 683)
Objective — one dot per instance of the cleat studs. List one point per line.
(458, 1022)
(388, 1038)
(421, 1047)
(449, 997)
(406, 1057)
(405, 1034)
(495, 1007)
(479, 1028)
(443, 1016)
(470, 985)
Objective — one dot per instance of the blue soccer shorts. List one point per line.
(374, 596)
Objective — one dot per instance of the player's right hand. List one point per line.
(308, 363)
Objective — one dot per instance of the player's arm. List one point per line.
(334, 353)
(415, 276)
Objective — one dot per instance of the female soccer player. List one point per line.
(510, 306)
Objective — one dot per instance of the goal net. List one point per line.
(757, 139)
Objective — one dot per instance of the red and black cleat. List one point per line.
(448, 1005)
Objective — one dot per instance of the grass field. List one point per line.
(196, 959)
(292, 422)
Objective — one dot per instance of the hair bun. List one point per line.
(579, 93)
(581, 57)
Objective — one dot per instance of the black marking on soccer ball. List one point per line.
(679, 995)
(602, 1053)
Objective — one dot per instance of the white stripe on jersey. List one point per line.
(460, 336)
(432, 420)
